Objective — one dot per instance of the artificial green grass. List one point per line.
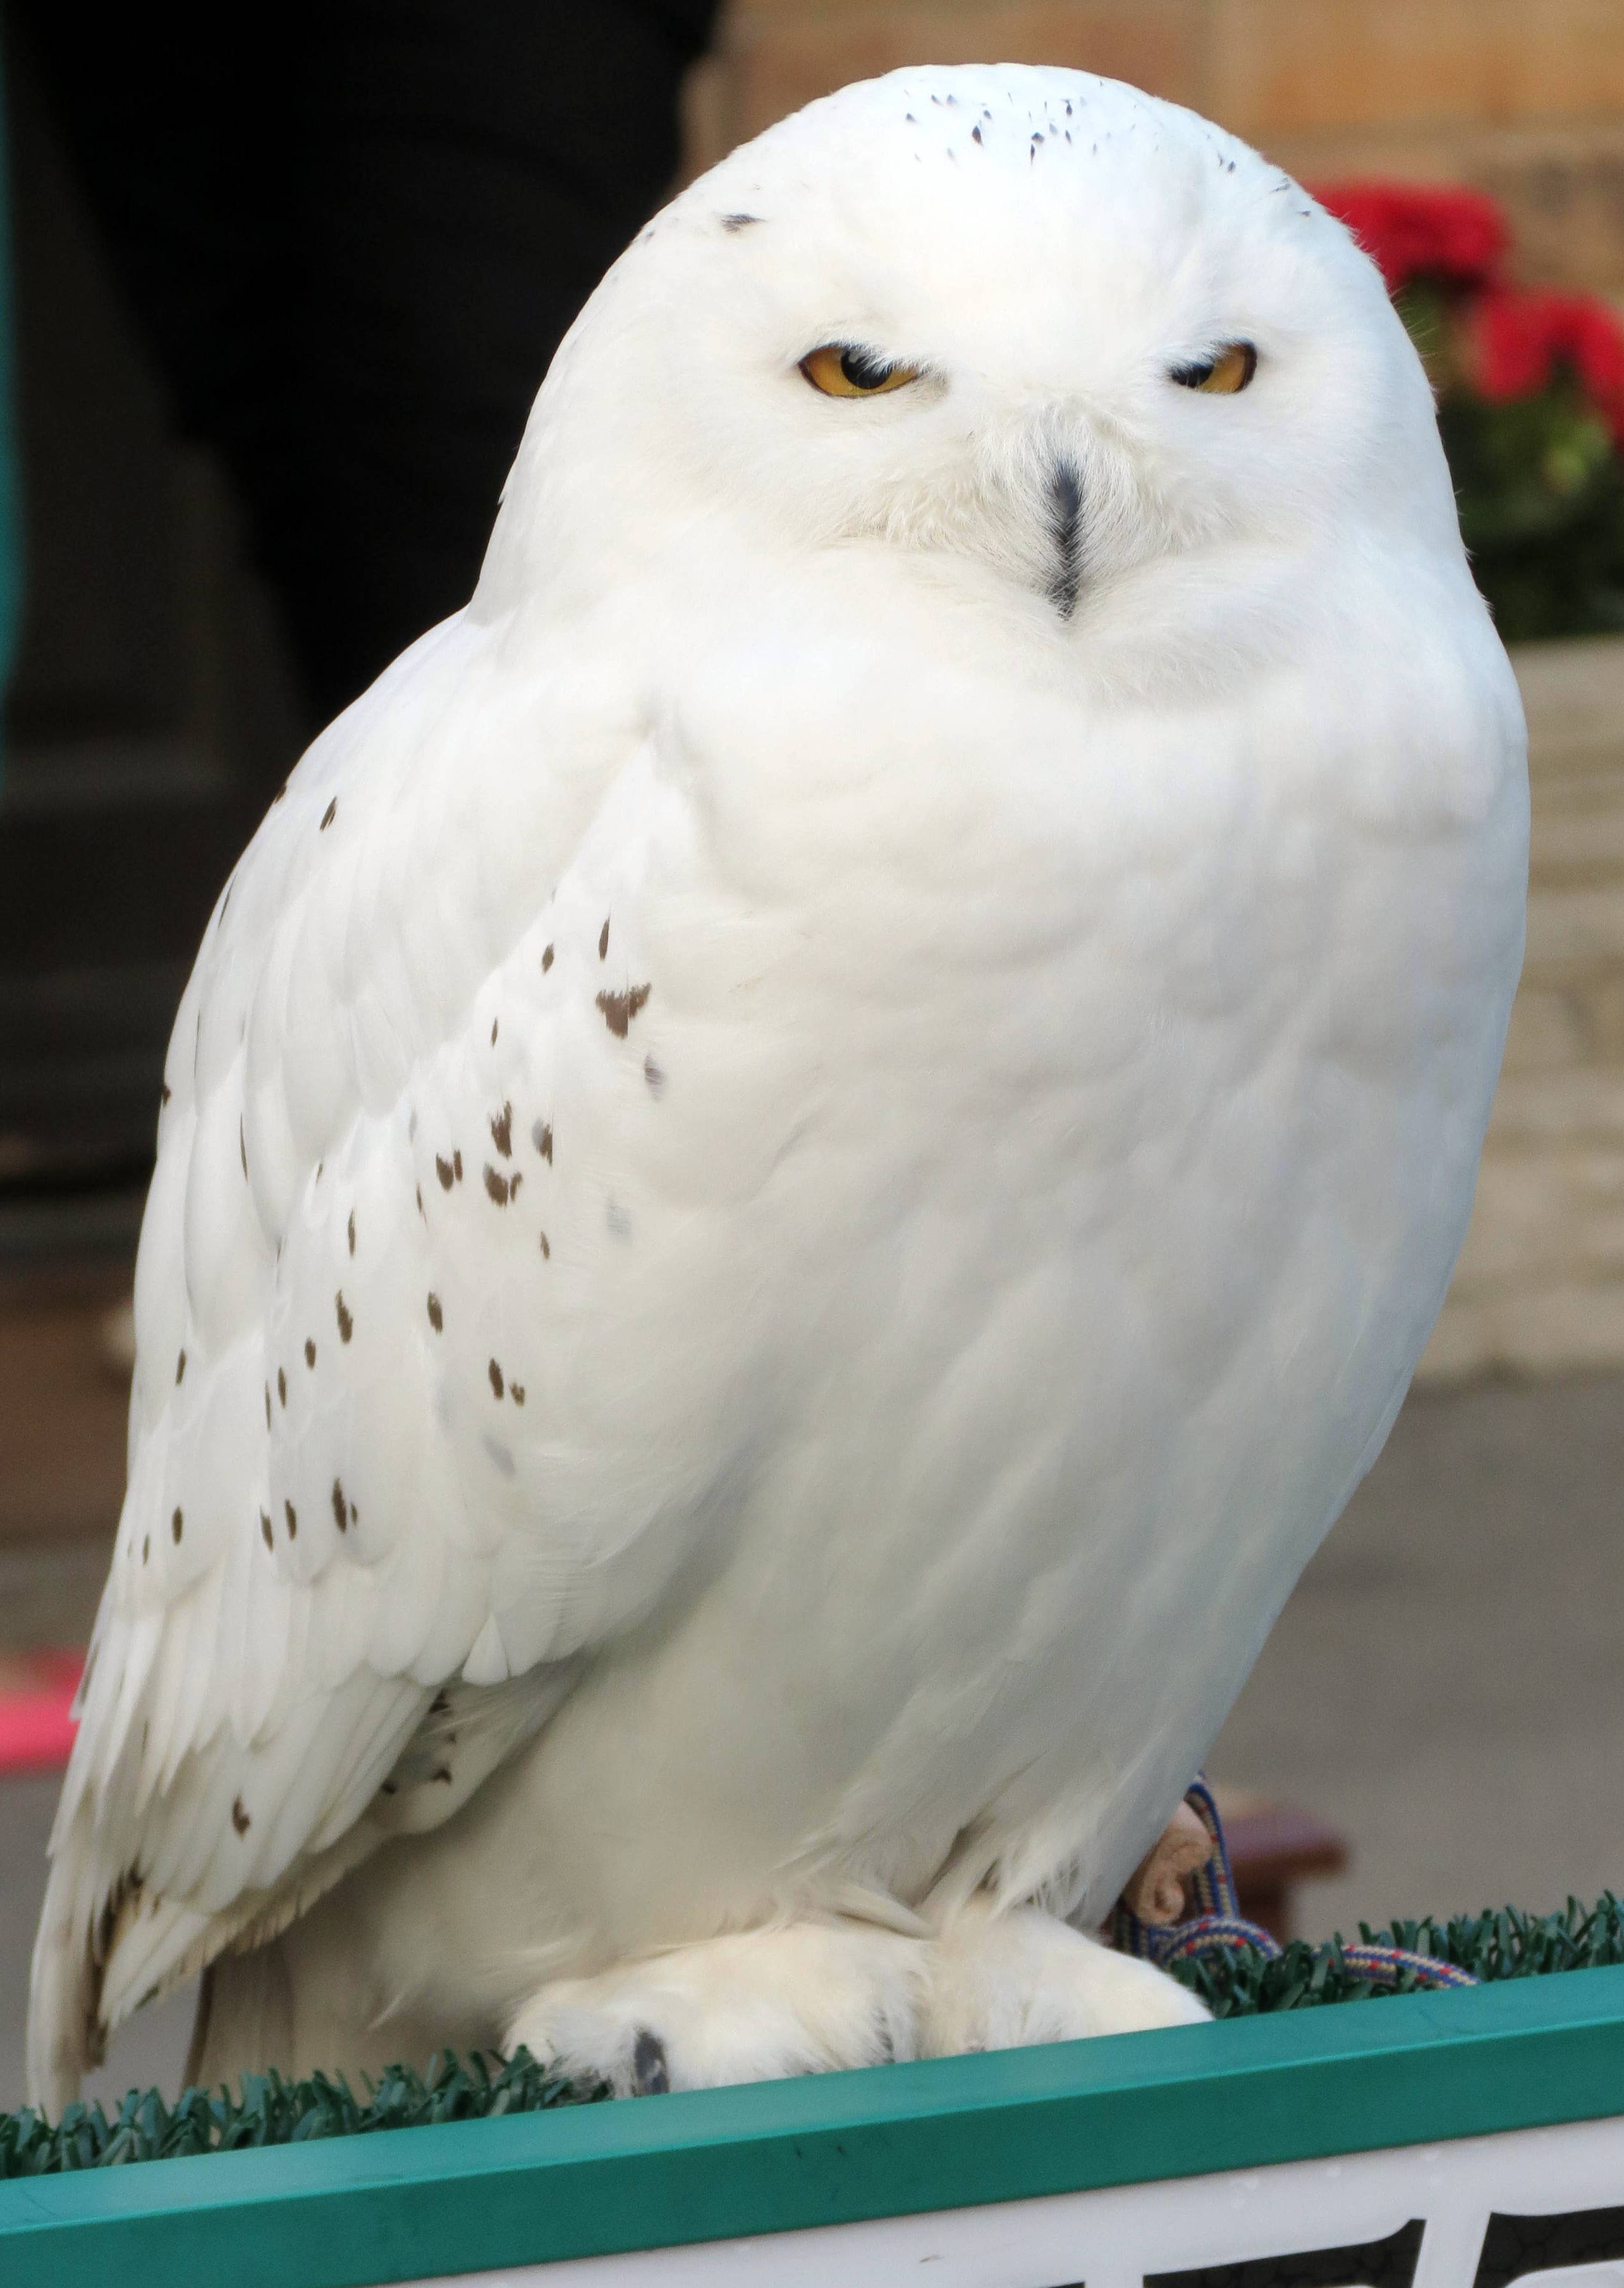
(1506, 1943)
(270, 2110)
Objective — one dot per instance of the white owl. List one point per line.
(808, 1159)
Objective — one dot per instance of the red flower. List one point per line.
(1519, 337)
(1421, 230)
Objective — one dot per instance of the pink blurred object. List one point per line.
(36, 1693)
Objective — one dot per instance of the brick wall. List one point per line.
(1523, 96)
(1540, 1287)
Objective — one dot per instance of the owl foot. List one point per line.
(1002, 1980)
(798, 1998)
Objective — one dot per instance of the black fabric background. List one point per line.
(353, 236)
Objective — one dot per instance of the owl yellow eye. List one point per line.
(839, 370)
(1223, 375)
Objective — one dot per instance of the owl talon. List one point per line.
(755, 2005)
(651, 2073)
(1004, 1980)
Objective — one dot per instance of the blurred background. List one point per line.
(276, 312)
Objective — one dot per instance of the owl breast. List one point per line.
(1068, 1184)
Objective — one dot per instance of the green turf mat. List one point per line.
(270, 2111)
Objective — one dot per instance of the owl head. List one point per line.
(1024, 336)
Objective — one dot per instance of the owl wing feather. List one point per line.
(348, 1577)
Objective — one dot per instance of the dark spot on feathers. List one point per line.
(341, 1517)
(441, 1772)
(177, 1525)
(352, 1231)
(739, 221)
(974, 135)
(620, 1008)
(346, 1324)
(146, 1547)
(541, 1136)
(267, 1406)
(495, 1023)
(388, 1787)
(107, 1920)
(497, 1185)
(516, 1392)
(165, 1097)
(546, 1251)
(329, 814)
(546, 959)
(457, 1165)
(437, 1317)
(495, 1372)
(310, 1351)
(240, 1819)
(422, 1211)
(501, 1132)
(514, 1182)
(180, 1368)
(282, 1385)
(264, 1528)
(445, 1172)
(603, 941)
(654, 1074)
(243, 1146)
(292, 1516)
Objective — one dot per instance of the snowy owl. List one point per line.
(811, 1150)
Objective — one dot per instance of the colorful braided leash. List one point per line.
(1218, 1927)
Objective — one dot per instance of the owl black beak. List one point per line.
(1065, 537)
